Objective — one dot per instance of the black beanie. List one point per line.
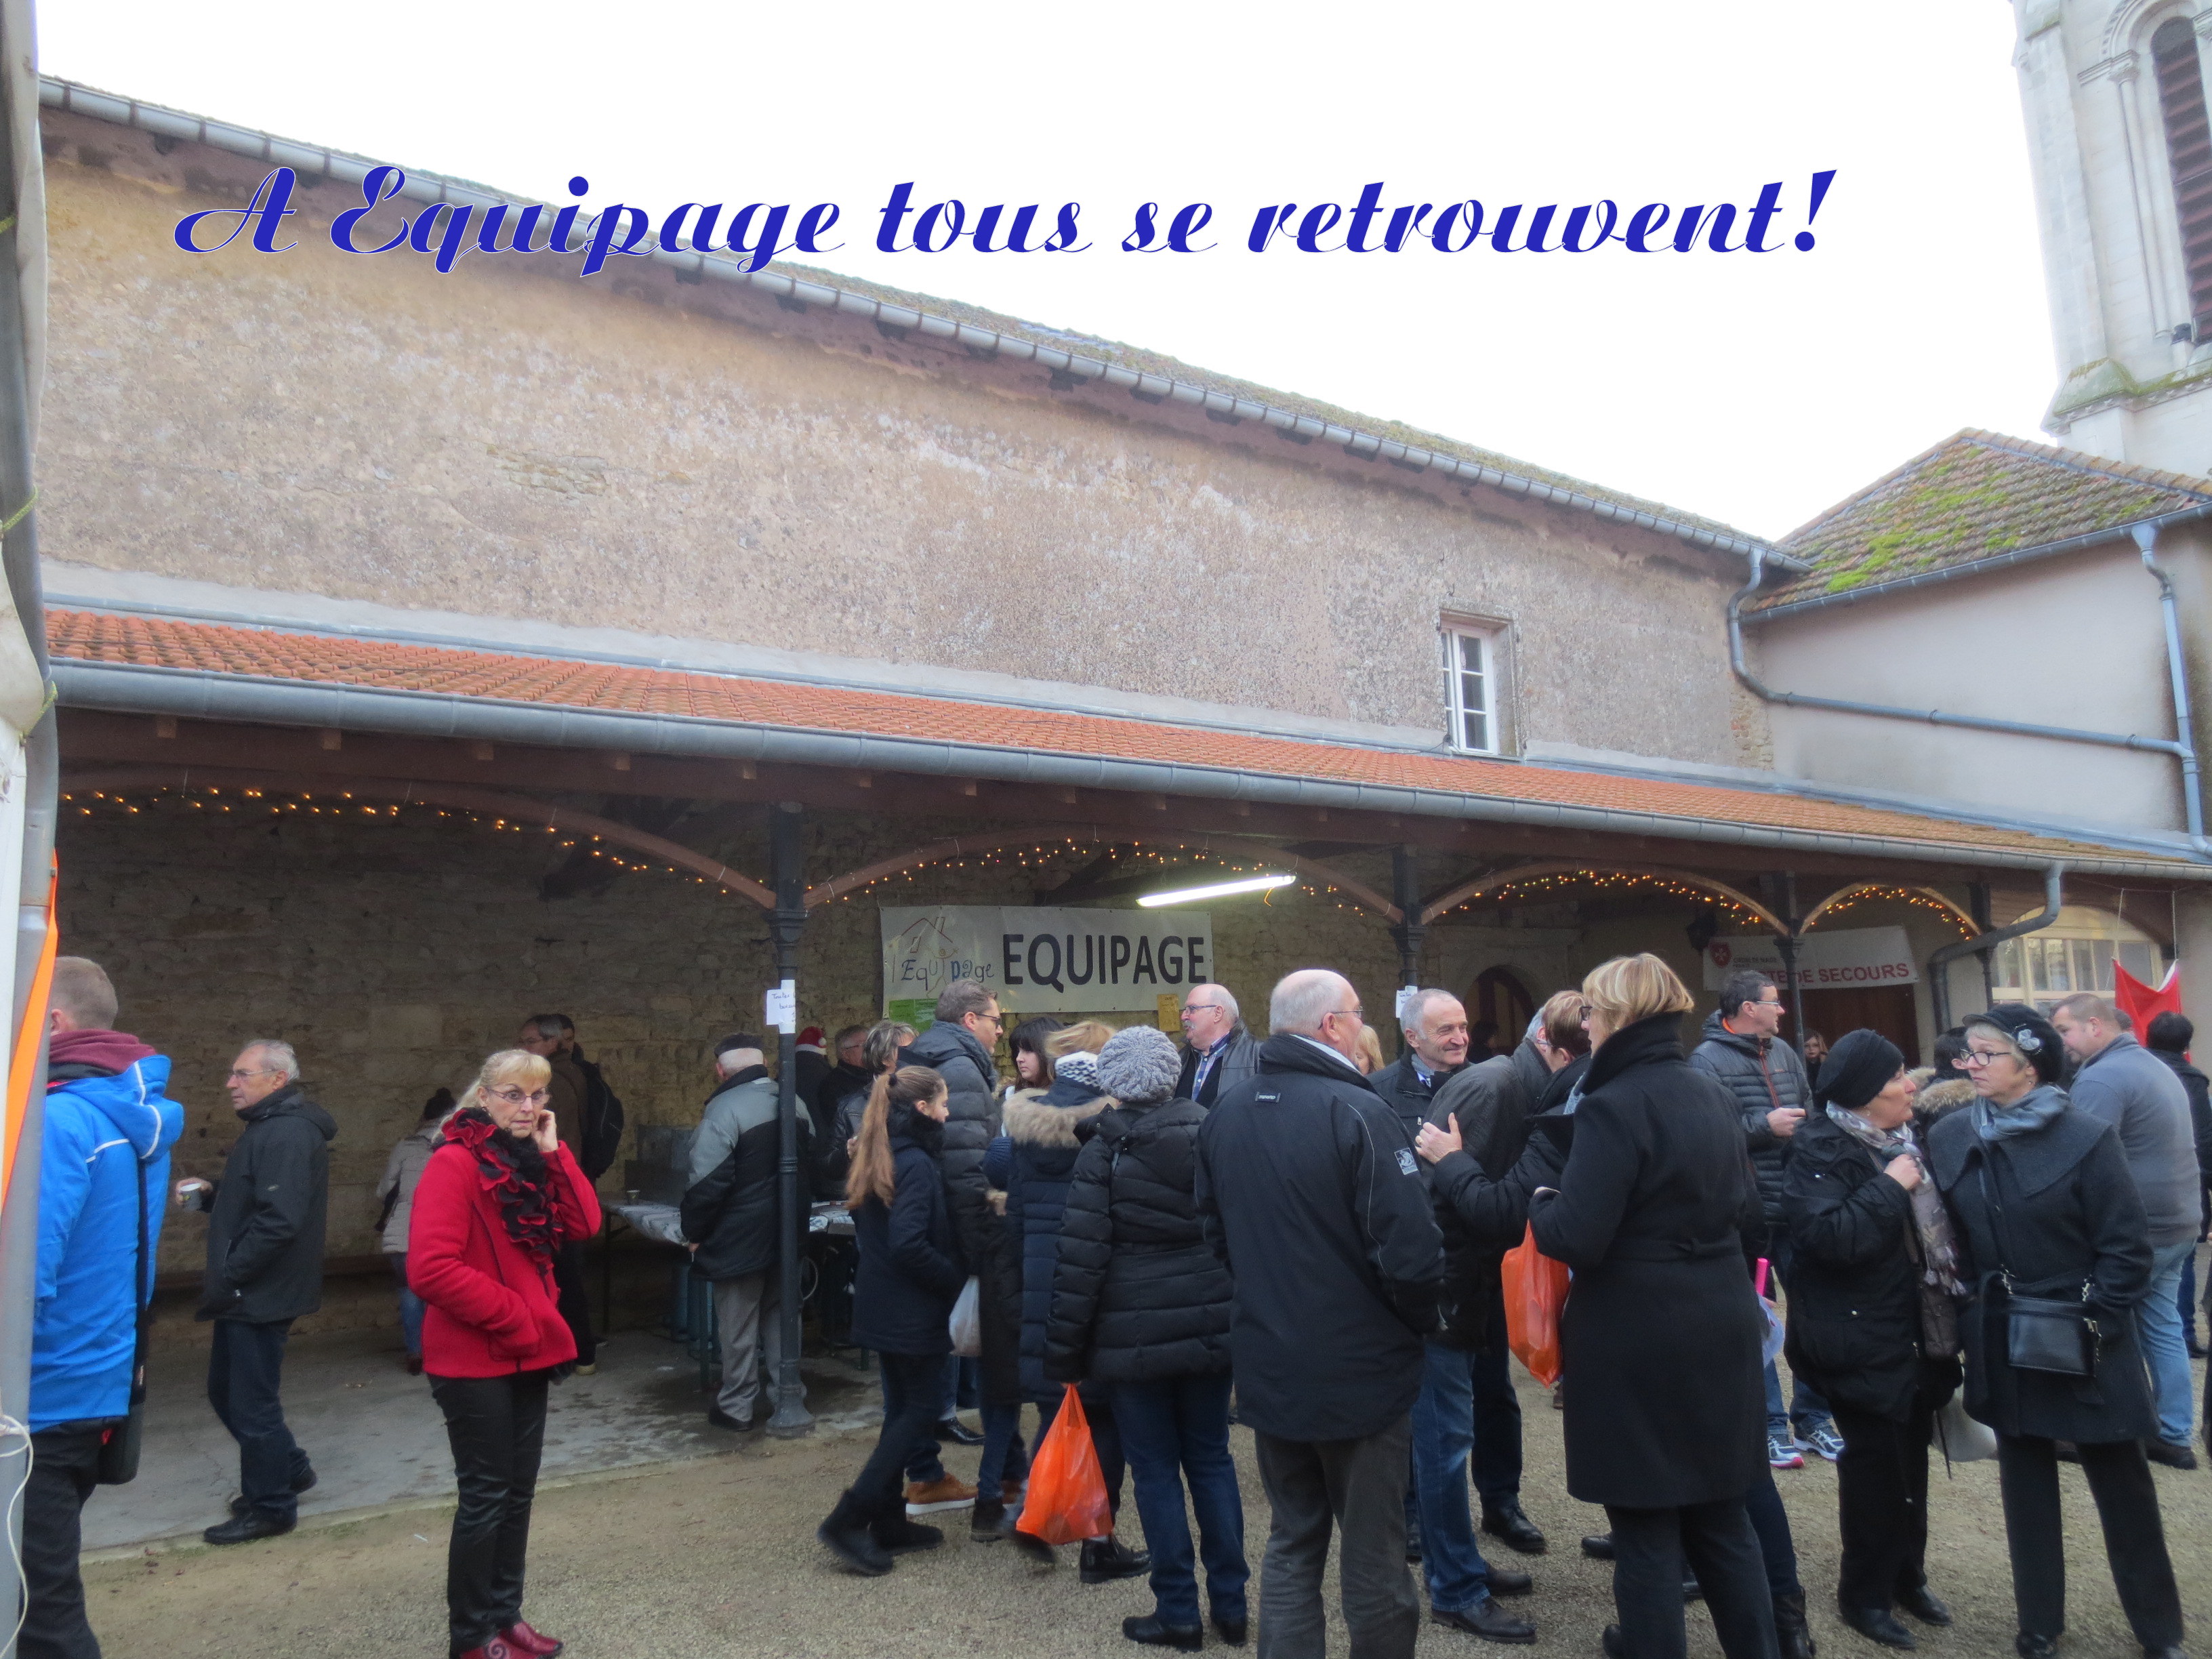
(2034, 1036)
(1858, 1067)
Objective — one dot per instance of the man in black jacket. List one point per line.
(733, 1221)
(1766, 1076)
(1310, 1194)
(264, 1269)
(2168, 1037)
(590, 1117)
(1217, 1051)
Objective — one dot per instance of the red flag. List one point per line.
(2143, 1004)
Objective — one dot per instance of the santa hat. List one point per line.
(810, 1040)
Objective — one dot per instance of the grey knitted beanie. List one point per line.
(1139, 1067)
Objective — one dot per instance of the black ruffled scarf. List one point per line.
(513, 1171)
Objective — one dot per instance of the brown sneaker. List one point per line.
(925, 1498)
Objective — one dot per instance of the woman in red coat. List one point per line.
(499, 1196)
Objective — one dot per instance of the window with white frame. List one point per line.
(1474, 687)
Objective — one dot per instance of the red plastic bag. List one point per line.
(1535, 1291)
(1066, 1498)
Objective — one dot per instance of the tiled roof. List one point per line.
(161, 642)
(1975, 495)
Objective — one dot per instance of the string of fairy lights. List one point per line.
(1162, 856)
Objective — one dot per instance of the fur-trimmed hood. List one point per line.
(1939, 1100)
(1032, 1120)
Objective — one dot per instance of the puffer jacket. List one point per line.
(911, 1270)
(1034, 1161)
(1137, 1295)
(106, 1112)
(1764, 1074)
(731, 1206)
(396, 1191)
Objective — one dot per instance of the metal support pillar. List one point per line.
(1978, 907)
(1408, 931)
(787, 859)
(1795, 923)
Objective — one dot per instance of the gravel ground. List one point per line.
(717, 1557)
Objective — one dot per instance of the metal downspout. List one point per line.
(1923, 716)
(2177, 668)
(1939, 977)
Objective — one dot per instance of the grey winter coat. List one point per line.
(2137, 1093)
(731, 1206)
(401, 1171)
(2070, 1214)
(1765, 1075)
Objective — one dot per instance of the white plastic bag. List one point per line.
(1961, 1438)
(967, 1322)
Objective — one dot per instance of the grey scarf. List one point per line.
(2031, 1112)
(1931, 1244)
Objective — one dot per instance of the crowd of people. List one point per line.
(1281, 1232)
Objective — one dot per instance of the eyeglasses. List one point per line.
(239, 1073)
(1190, 1008)
(516, 1098)
(1984, 1056)
(1355, 1012)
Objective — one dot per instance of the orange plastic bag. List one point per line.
(1535, 1291)
(1066, 1498)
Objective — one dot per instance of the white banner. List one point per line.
(1039, 960)
(1847, 959)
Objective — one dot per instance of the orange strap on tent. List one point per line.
(23, 1063)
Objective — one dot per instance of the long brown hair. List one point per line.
(870, 1175)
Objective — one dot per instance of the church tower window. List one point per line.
(2189, 148)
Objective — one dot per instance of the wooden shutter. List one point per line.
(2189, 148)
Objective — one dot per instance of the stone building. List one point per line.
(437, 649)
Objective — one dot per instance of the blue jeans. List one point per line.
(2158, 1327)
(410, 1307)
(1005, 1458)
(1444, 1437)
(1172, 1429)
(246, 1366)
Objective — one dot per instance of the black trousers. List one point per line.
(2134, 1537)
(914, 1384)
(576, 1303)
(63, 1462)
(496, 1426)
(1881, 1493)
(1649, 1549)
(246, 1370)
(1495, 1465)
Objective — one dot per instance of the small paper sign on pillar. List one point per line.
(783, 1006)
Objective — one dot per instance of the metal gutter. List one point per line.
(2184, 751)
(202, 694)
(1939, 978)
(430, 187)
(2177, 668)
(1975, 567)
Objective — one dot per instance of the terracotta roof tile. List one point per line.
(87, 637)
(1972, 496)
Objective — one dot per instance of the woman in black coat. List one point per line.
(2044, 1206)
(1666, 1415)
(1140, 1301)
(1874, 1321)
(911, 1273)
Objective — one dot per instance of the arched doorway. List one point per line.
(1502, 1003)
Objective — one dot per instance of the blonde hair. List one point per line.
(1088, 1035)
(1369, 1057)
(509, 1066)
(1630, 988)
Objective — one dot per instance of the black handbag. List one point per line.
(118, 1449)
(2052, 1334)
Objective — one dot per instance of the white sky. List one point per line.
(1755, 389)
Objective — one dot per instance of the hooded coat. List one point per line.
(1034, 1162)
(1661, 1332)
(264, 1243)
(1311, 1196)
(2070, 1215)
(108, 1114)
(1137, 1295)
(970, 1080)
(1764, 1074)
(403, 1172)
(911, 1268)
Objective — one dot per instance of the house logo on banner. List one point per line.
(1849, 957)
(1039, 960)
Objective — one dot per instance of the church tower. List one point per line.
(2116, 93)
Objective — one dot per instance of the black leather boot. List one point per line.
(1877, 1624)
(896, 1536)
(1793, 1637)
(846, 1535)
(1105, 1559)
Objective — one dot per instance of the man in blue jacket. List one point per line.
(106, 1116)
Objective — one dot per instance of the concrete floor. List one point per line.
(713, 1557)
(377, 1438)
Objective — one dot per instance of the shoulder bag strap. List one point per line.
(145, 1290)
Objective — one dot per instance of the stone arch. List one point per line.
(1458, 895)
(1842, 893)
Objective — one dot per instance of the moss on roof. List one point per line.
(1974, 496)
